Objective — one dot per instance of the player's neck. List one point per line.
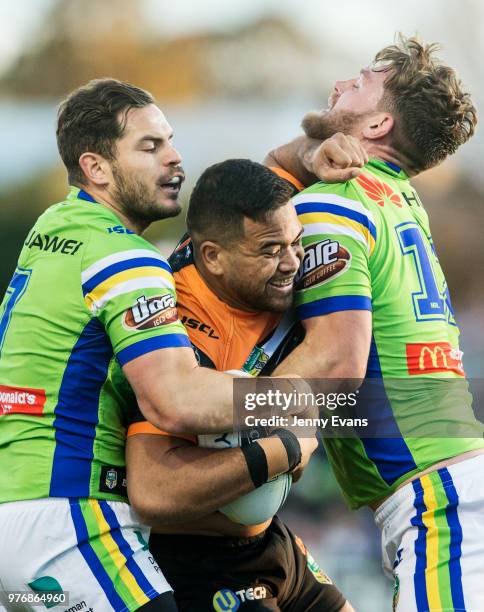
(103, 197)
(387, 154)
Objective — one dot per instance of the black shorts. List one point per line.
(272, 572)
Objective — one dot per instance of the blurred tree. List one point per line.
(84, 40)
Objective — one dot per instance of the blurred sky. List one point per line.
(348, 33)
(360, 27)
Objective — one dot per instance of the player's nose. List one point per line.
(290, 263)
(342, 86)
(173, 157)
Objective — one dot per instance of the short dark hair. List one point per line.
(89, 120)
(434, 114)
(228, 192)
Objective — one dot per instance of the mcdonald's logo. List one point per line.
(433, 357)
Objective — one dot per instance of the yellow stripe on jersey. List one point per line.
(338, 220)
(163, 279)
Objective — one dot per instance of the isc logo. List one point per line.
(119, 229)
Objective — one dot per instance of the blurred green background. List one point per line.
(234, 80)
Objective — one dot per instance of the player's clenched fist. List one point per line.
(339, 158)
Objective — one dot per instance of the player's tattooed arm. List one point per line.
(339, 158)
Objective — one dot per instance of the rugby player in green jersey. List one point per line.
(91, 300)
(374, 302)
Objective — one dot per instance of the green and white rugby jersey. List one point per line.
(88, 296)
(368, 246)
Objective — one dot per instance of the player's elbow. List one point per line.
(348, 369)
(353, 369)
(169, 417)
(153, 509)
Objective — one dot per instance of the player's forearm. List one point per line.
(318, 363)
(195, 402)
(186, 483)
(296, 158)
(198, 401)
(335, 346)
(178, 396)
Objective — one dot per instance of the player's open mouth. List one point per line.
(174, 184)
(332, 100)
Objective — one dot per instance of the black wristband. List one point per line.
(256, 460)
(292, 446)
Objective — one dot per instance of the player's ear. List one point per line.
(96, 169)
(378, 125)
(211, 255)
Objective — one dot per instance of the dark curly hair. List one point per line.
(228, 192)
(92, 118)
(434, 114)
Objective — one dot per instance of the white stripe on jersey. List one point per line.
(312, 229)
(105, 262)
(331, 198)
(144, 282)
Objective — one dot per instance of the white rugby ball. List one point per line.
(260, 504)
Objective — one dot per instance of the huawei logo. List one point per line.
(378, 191)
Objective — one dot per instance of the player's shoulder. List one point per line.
(106, 238)
(343, 190)
(341, 199)
(182, 255)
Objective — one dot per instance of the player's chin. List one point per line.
(168, 207)
(277, 299)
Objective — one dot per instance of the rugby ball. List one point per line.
(260, 504)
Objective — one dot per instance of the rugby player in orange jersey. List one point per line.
(234, 280)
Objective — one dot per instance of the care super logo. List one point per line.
(225, 600)
(322, 261)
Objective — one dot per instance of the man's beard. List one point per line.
(139, 203)
(263, 300)
(321, 125)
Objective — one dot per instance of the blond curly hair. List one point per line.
(433, 114)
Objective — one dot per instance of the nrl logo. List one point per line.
(152, 312)
(111, 479)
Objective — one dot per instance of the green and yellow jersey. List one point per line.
(368, 246)
(88, 296)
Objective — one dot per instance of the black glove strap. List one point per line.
(292, 446)
(257, 463)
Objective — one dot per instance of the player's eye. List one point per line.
(151, 147)
(271, 252)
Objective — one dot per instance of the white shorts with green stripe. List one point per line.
(95, 551)
(433, 540)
